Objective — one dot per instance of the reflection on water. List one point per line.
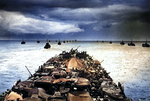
(126, 64)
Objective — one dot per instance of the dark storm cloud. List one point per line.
(145, 16)
(71, 3)
(54, 3)
(65, 9)
(74, 16)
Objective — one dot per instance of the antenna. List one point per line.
(28, 71)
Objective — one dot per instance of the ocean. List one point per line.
(129, 65)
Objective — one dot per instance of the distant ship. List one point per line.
(59, 43)
(145, 44)
(122, 43)
(131, 44)
(47, 45)
(23, 42)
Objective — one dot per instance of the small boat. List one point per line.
(131, 44)
(122, 43)
(145, 44)
(38, 41)
(47, 45)
(59, 43)
(23, 42)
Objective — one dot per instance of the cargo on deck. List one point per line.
(70, 76)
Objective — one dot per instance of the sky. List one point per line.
(75, 19)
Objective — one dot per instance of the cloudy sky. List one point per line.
(75, 19)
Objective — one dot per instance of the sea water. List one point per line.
(129, 65)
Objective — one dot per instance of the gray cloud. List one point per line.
(74, 16)
(18, 23)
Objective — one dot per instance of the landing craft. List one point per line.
(59, 43)
(131, 44)
(122, 43)
(38, 41)
(47, 45)
(145, 44)
(23, 42)
(70, 76)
